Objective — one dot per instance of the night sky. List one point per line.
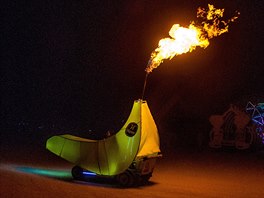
(77, 66)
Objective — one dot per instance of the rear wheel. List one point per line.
(146, 178)
(77, 173)
(143, 179)
(126, 179)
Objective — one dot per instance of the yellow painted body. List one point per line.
(111, 156)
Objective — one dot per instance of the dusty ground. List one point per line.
(182, 174)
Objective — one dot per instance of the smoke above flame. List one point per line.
(186, 39)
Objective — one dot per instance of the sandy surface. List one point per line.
(185, 174)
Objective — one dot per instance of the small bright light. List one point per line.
(89, 173)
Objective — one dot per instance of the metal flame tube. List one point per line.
(144, 86)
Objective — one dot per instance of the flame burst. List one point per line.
(183, 40)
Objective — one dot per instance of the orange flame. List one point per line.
(183, 40)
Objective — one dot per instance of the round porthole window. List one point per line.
(131, 129)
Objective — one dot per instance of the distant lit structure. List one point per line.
(232, 129)
(257, 116)
(238, 127)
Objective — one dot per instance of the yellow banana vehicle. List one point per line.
(129, 156)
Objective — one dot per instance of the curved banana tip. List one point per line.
(55, 144)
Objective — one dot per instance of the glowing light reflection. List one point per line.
(46, 172)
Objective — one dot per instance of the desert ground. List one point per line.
(207, 173)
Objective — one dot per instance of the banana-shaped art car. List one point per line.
(129, 156)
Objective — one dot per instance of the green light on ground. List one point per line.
(46, 172)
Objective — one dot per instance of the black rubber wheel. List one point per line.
(77, 173)
(126, 179)
(145, 178)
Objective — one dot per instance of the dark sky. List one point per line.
(76, 66)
